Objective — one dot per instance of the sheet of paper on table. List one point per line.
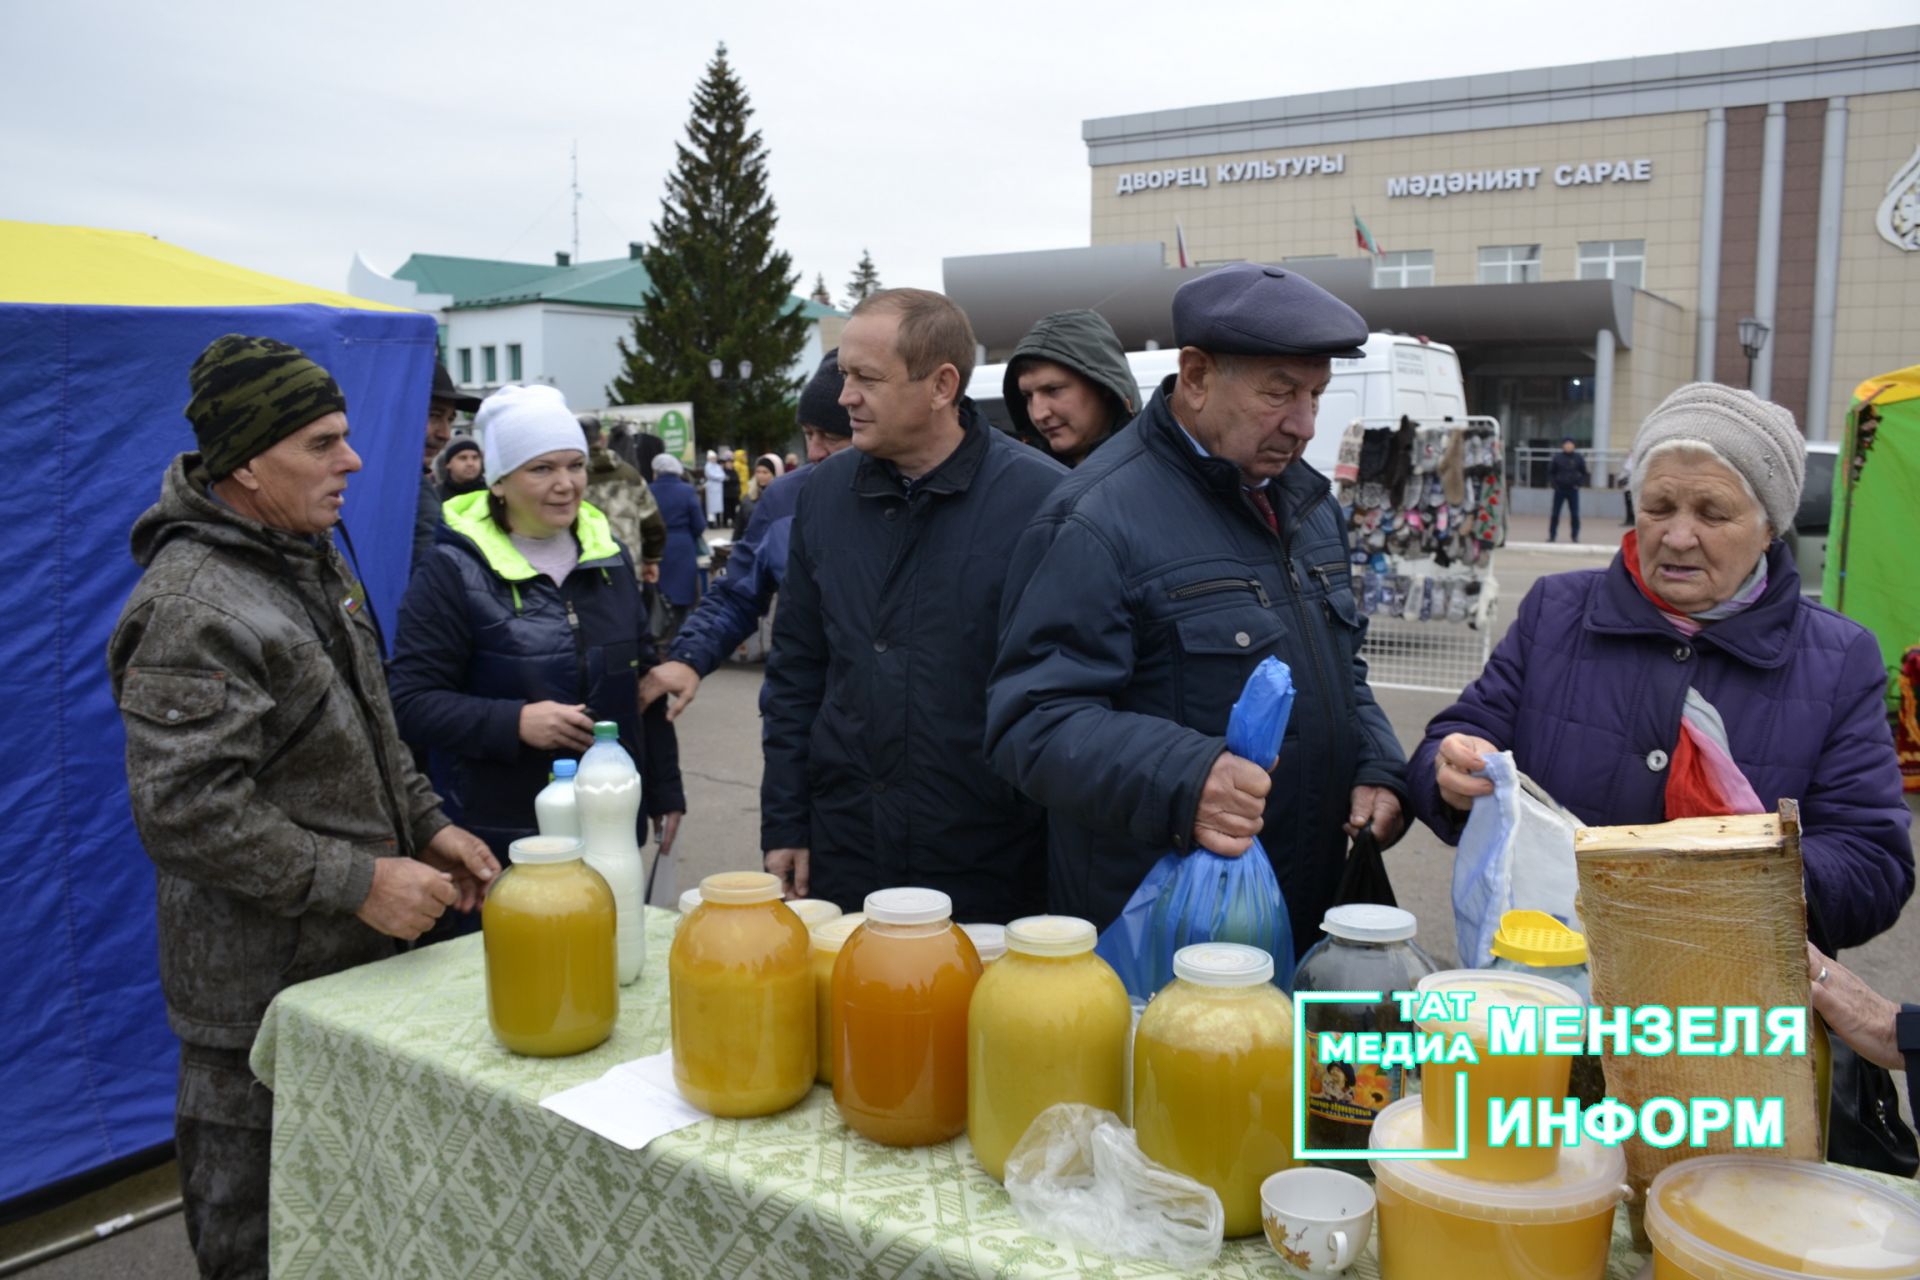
(632, 1104)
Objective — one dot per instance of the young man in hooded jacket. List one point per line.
(1069, 383)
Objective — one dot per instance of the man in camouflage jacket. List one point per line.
(291, 833)
(624, 498)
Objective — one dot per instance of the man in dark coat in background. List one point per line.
(1195, 544)
(1068, 382)
(885, 633)
(446, 402)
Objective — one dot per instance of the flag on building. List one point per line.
(1180, 243)
(1365, 237)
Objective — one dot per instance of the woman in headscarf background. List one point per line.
(766, 469)
(1690, 678)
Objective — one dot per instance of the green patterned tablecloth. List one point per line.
(407, 1143)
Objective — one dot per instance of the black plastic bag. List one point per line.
(1365, 878)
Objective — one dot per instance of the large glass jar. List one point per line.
(549, 935)
(1367, 948)
(900, 992)
(828, 937)
(741, 986)
(1213, 1076)
(1048, 1024)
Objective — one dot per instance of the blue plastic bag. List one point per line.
(1516, 852)
(1201, 896)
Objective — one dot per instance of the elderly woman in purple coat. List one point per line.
(1691, 677)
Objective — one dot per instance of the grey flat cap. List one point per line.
(1247, 309)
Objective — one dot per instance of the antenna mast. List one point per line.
(576, 200)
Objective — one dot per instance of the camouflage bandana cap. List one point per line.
(249, 394)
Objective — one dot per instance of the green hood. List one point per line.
(467, 515)
(1084, 342)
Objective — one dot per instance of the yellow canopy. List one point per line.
(1890, 388)
(84, 266)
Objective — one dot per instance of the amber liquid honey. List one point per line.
(899, 1032)
(548, 932)
(742, 985)
(1512, 1076)
(1042, 1030)
(1424, 1242)
(1213, 1090)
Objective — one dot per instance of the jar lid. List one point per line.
(1590, 1178)
(989, 940)
(1051, 936)
(1538, 939)
(541, 849)
(1762, 1217)
(813, 911)
(831, 935)
(1367, 922)
(1223, 964)
(909, 906)
(1492, 987)
(689, 900)
(741, 888)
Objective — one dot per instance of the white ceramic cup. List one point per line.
(1318, 1220)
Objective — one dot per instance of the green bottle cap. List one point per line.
(605, 731)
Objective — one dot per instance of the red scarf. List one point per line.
(1703, 780)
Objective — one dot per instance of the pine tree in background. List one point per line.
(820, 294)
(719, 288)
(866, 281)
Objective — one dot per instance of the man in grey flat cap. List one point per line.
(1193, 545)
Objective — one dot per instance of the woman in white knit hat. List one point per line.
(523, 627)
(1690, 678)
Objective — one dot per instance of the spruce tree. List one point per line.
(820, 294)
(718, 287)
(865, 282)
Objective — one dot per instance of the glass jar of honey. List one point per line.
(828, 937)
(1512, 1076)
(548, 932)
(1213, 1076)
(1047, 1024)
(901, 987)
(741, 986)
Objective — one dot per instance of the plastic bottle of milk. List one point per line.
(606, 796)
(553, 808)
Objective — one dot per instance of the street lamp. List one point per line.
(717, 368)
(1753, 340)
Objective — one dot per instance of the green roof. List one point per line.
(485, 282)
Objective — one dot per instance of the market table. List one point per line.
(406, 1142)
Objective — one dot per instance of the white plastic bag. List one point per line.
(1077, 1177)
(1515, 853)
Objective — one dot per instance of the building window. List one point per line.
(490, 358)
(513, 362)
(1614, 260)
(1406, 269)
(1510, 264)
(466, 364)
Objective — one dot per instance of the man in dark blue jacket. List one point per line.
(1193, 545)
(740, 597)
(876, 685)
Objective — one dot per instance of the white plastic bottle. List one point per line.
(554, 809)
(606, 796)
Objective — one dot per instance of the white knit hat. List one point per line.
(665, 464)
(518, 424)
(1760, 440)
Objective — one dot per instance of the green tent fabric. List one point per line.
(1873, 545)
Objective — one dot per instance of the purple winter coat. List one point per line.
(1587, 687)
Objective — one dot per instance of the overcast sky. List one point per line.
(284, 138)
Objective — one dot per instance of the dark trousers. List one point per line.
(223, 1139)
(1570, 498)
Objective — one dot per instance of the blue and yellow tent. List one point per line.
(97, 332)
